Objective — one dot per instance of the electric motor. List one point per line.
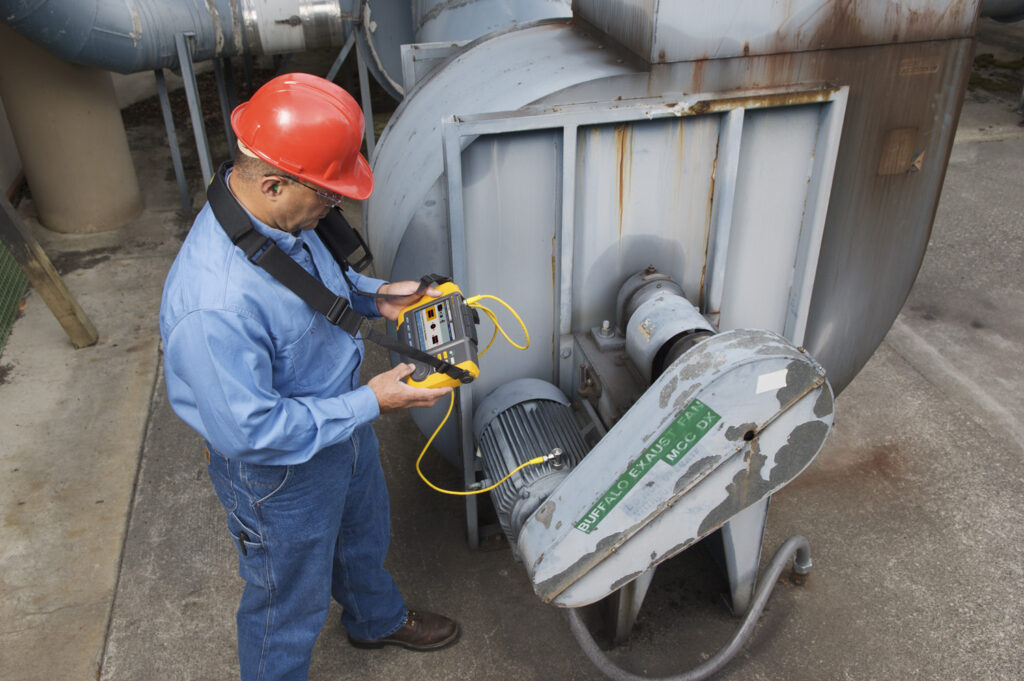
(519, 421)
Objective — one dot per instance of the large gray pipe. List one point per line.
(138, 35)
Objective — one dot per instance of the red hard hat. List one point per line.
(308, 127)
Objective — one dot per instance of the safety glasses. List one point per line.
(328, 198)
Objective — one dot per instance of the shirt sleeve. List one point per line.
(365, 305)
(219, 380)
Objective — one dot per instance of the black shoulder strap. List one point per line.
(262, 251)
(343, 241)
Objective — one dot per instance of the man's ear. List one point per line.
(270, 187)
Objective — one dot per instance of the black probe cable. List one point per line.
(794, 546)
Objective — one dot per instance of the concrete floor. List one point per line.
(115, 564)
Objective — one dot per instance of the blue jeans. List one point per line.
(305, 533)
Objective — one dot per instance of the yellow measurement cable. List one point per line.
(474, 302)
(494, 335)
(451, 403)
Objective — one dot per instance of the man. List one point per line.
(274, 390)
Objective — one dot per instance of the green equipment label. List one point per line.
(685, 431)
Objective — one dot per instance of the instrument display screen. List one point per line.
(435, 325)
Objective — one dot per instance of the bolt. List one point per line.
(606, 329)
(566, 352)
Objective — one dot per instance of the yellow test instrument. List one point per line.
(445, 328)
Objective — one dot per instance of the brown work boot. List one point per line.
(421, 631)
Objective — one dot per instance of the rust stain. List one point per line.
(753, 101)
(780, 69)
(624, 166)
(773, 100)
(698, 74)
(681, 143)
(843, 27)
(707, 228)
(554, 263)
(899, 151)
(554, 296)
(701, 107)
(646, 330)
(881, 461)
(848, 467)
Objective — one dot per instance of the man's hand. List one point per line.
(393, 393)
(390, 307)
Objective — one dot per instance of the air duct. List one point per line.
(139, 35)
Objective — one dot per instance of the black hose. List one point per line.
(796, 545)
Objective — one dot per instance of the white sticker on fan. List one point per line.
(772, 381)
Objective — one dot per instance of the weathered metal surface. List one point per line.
(521, 67)
(876, 227)
(731, 422)
(639, 288)
(742, 537)
(384, 26)
(607, 378)
(437, 20)
(387, 25)
(661, 31)
(625, 174)
(421, 59)
(656, 322)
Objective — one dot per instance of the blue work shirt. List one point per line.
(250, 366)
